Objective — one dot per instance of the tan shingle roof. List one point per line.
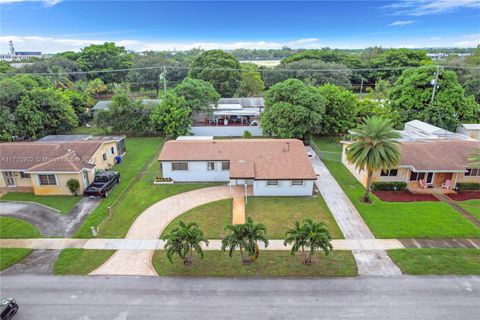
(440, 155)
(249, 158)
(48, 157)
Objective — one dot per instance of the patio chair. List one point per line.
(422, 184)
(447, 184)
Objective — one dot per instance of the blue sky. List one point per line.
(53, 25)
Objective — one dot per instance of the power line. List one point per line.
(166, 67)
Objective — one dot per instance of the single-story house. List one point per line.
(273, 167)
(435, 156)
(45, 167)
(471, 130)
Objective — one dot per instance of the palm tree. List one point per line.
(311, 235)
(374, 148)
(245, 237)
(475, 158)
(380, 91)
(185, 240)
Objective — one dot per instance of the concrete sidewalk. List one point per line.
(351, 223)
(149, 245)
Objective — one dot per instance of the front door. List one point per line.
(85, 179)
(9, 179)
(430, 176)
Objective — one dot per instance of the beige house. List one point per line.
(45, 167)
(429, 162)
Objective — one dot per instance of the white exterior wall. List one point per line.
(284, 188)
(197, 171)
(225, 131)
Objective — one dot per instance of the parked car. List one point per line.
(8, 308)
(102, 184)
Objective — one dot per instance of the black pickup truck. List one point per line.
(102, 184)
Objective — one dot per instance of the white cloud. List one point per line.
(46, 3)
(54, 44)
(426, 7)
(400, 23)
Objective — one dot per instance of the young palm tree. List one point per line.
(311, 235)
(380, 91)
(245, 237)
(374, 148)
(185, 240)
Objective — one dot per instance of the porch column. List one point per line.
(455, 183)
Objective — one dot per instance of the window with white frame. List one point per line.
(472, 172)
(179, 166)
(225, 165)
(47, 179)
(24, 175)
(272, 183)
(389, 173)
(211, 166)
(297, 183)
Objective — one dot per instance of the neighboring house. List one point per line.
(45, 167)
(273, 167)
(230, 117)
(120, 140)
(104, 104)
(433, 155)
(471, 130)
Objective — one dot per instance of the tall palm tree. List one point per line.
(245, 237)
(380, 91)
(185, 240)
(374, 148)
(311, 235)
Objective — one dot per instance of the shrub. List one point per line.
(247, 134)
(73, 185)
(463, 186)
(389, 186)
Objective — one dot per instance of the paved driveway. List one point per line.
(49, 222)
(150, 224)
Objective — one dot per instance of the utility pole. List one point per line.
(163, 77)
(435, 84)
(361, 86)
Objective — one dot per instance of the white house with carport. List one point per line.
(272, 167)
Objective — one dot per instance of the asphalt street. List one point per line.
(122, 298)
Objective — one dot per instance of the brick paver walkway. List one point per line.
(150, 224)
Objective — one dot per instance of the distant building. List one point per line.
(471, 130)
(22, 55)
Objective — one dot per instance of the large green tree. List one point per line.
(411, 97)
(45, 111)
(199, 95)
(389, 63)
(340, 109)
(105, 57)
(172, 116)
(326, 55)
(80, 101)
(314, 72)
(292, 110)
(251, 83)
(219, 68)
(374, 148)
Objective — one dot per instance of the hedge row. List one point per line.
(463, 186)
(389, 186)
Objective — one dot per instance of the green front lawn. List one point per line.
(11, 228)
(211, 218)
(268, 264)
(396, 219)
(80, 261)
(9, 257)
(64, 204)
(472, 207)
(437, 261)
(278, 214)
